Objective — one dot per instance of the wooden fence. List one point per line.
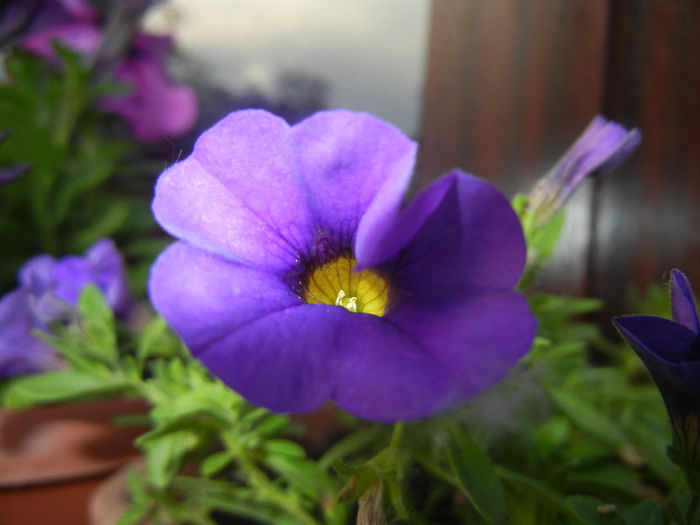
(510, 83)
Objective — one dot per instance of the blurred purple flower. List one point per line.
(671, 352)
(156, 108)
(21, 352)
(601, 147)
(23, 17)
(48, 292)
(298, 277)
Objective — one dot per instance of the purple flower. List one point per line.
(49, 291)
(24, 17)
(156, 108)
(601, 147)
(299, 278)
(21, 352)
(671, 352)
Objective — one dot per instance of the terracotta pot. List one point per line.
(111, 498)
(53, 457)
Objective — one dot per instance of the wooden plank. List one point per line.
(647, 219)
(510, 83)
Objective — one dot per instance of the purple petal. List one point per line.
(383, 373)
(352, 165)
(378, 241)
(70, 275)
(156, 108)
(669, 351)
(82, 37)
(237, 194)
(657, 338)
(283, 360)
(205, 297)
(20, 351)
(13, 172)
(682, 302)
(477, 338)
(472, 241)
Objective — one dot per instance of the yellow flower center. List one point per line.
(337, 284)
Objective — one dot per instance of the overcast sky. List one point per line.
(370, 53)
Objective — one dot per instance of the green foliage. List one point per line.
(81, 185)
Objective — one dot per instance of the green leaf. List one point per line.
(215, 462)
(166, 454)
(588, 418)
(157, 340)
(476, 475)
(284, 447)
(97, 320)
(304, 475)
(542, 493)
(645, 513)
(545, 238)
(349, 445)
(52, 387)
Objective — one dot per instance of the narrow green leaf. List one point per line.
(349, 445)
(215, 462)
(284, 447)
(52, 387)
(154, 340)
(476, 475)
(304, 475)
(588, 418)
(541, 493)
(97, 320)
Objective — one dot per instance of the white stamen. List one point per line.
(349, 303)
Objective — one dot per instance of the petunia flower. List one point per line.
(49, 291)
(601, 147)
(156, 108)
(298, 277)
(670, 349)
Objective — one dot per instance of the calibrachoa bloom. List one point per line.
(298, 277)
(156, 108)
(671, 352)
(602, 146)
(49, 290)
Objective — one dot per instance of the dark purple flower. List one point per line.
(601, 147)
(671, 352)
(49, 291)
(299, 278)
(156, 108)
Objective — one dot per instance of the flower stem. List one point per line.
(396, 435)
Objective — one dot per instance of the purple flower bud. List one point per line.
(670, 349)
(601, 147)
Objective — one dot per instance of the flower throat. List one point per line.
(336, 283)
